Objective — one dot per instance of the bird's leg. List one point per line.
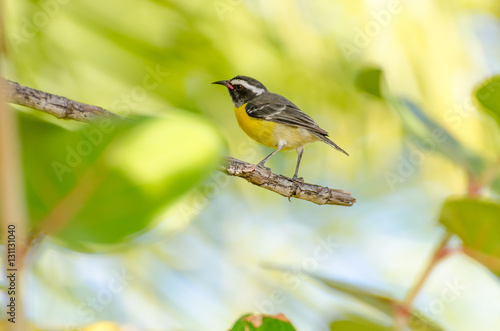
(300, 151)
(281, 145)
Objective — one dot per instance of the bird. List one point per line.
(273, 120)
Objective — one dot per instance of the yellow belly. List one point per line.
(270, 133)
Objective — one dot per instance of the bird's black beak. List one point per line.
(222, 82)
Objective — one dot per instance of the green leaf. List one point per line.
(250, 322)
(358, 325)
(432, 137)
(99, 185)
(369, 80)
(371, 298)
(477, 223)
(495, 186)
(383, 303)
(488, 96)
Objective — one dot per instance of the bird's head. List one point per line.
(243, 89)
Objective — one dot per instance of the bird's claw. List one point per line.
(298, 179)
(263, 167)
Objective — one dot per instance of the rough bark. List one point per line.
(285, 186)
(55, 105)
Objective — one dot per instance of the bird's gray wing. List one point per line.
(275, 108)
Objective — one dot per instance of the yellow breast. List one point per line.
(270, 133)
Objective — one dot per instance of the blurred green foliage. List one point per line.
(256, 322)
(106, 182)
(477, 223)
(414, 136)
(386, 306)
(357, 325)
(488, 95)
(369, 80)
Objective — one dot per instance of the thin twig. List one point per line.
(55, 105)
(285, 186)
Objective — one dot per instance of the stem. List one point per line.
(490, 261)
(474, 186)
(490, 174)
(12, 203)
(403, 313)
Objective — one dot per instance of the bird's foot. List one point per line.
(298, 179)
(263, 167)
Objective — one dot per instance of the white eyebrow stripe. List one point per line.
(254, 89)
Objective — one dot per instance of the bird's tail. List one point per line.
(329, 142)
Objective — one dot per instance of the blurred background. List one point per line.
(159, 240)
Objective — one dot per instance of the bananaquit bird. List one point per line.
(273, 120)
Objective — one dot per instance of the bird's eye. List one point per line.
(238, 87)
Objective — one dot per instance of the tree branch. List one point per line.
(285, 186)
(65, 108)
(55, 105)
